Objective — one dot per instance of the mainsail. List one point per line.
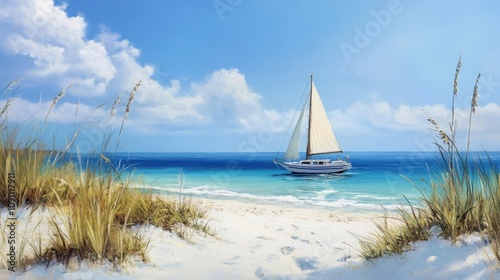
(321, 138)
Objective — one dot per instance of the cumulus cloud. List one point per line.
(380, 118)
(57, 45)
(380, 115)
(223, 99)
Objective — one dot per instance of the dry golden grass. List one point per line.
(464, 198)
(95, 209)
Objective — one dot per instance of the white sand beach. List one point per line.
(254, 241)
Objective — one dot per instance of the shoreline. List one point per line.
(345, 207)
(347, 210)
(276, 208)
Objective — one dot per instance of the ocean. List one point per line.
(376, 180)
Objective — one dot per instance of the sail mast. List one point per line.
(308, 151)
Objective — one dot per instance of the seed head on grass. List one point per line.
(6, 106)
(131, 99)
(127, 110)
(475, 95)
(457, 72)
(442, 134)
(115, 103)
(61, 94)
(473, 105)
(455, 93)
(10, 87)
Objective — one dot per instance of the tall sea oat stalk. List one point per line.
(9, 90)
(10, 86)
(446, 139)
(61, 94)
(473, 105)
(6, 106)
(108, 135)
(127, 110)
(452, 124)
(131, 99)
(455, 90)
(113, 107)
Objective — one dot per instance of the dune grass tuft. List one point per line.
(464, 197)
(94, 212)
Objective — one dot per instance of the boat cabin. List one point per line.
(315, 161)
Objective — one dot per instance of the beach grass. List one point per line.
(95, 213)
(464, 197)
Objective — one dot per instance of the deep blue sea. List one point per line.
(375, 180)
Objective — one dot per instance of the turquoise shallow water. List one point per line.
(374, 181)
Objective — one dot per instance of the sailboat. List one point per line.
(320, 140)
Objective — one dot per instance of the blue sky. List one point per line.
(227, 75)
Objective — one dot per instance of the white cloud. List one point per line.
(226, 97)
(56, 44)
(380, 118)
(222, 100)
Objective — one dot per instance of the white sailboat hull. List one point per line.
(316, 166)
